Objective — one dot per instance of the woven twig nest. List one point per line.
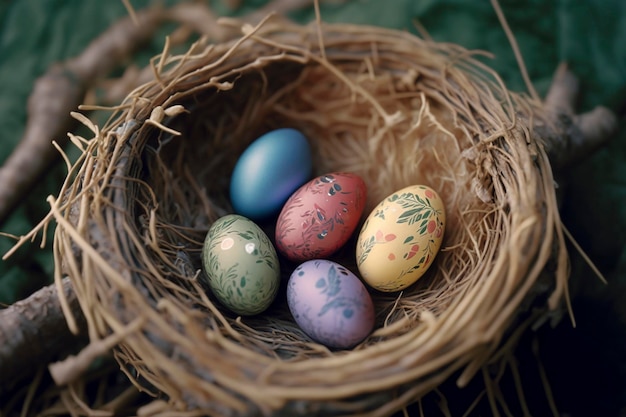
(384, 104)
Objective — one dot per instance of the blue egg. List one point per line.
(271, 169)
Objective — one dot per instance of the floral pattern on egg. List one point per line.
(319, 218)
(401, 237)
(330, 304)
(241, 265)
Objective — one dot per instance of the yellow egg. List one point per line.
(400, 238)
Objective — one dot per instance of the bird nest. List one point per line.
(393, 108)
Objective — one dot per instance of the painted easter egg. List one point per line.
(400, 238)
(320, 216)
(268, 171)
(241, 265)
(330, 304)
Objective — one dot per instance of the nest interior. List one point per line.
(393, 108)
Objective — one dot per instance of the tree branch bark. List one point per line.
(573, 136)
(33, 332)
(55, 94)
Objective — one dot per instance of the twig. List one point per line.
(60, 90)
(35, 328)
(515, 47)
(72, 367)
(563, 91)
(572, 137)
(52, 95)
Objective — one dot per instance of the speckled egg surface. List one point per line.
(320, 216)
(330, 304)
(241, 265)
(400, 238)
(268, 171)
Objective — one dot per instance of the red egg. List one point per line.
(319, 218)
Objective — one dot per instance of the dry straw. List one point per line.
(391, 107)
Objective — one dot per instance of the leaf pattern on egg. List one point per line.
(368, 245)
(313, 224)
(417, 215)
(331, 286)
(416, 209)
(241, 286)
(342, 314)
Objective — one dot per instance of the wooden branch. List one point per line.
(572, 137)
(55, 94)
(563, 92)
(34, 332)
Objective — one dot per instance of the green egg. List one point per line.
(241, 265)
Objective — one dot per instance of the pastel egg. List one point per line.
(268, 172)
(400, 238)
(330, 304)
(241, 265)
(320, 216)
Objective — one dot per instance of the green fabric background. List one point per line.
(590, 35)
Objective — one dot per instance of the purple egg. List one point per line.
(330, 304)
